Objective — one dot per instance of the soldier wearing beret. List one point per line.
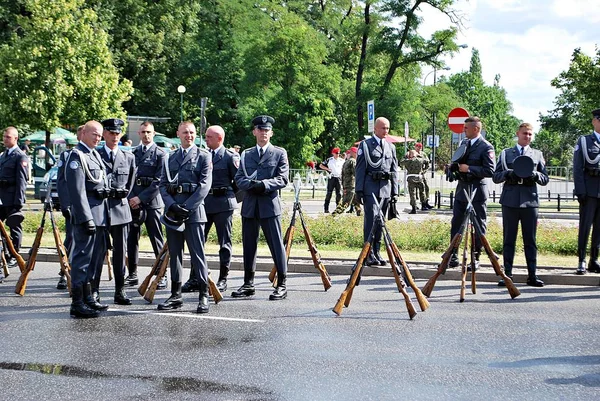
(425, 167)
(348, 173)
(263, 171)
(219, 203)
(586, 175)
(520, 202)
(184, 185)
(120, 172)
(470, 171)
(376, 174)
(14, 174)
(333, 166)
(87, 186)
(145, 200)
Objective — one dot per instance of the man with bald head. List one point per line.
(219, 203)
(14, 174)
(87, 186)
(376, 174)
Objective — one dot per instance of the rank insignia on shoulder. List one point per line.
(60, 163)
(360, 151)
(24, 163)
(74, 165)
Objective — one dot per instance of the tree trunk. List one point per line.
(360, 71)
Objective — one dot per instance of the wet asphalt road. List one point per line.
(542, 345)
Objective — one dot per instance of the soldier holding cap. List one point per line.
(120, 173)
(87, 186)
(219, 203)
(519, 200)
(184, 184)
(263, 171)
(376, 174)
(476, 164)
(333, 166)
(586, 175)
(14, 174)
(145, 200)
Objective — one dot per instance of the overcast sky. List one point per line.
(527, 42)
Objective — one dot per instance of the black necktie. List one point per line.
(522, 150)
(144, 149)
(213, 154)
(110, 156)
(261, 153)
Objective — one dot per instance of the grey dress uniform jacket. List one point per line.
(365, 181)
(120, 173)
(273, 171)
(586, 166)
(63, 193)
(149, 168)
(221, 197)
(14, 174)
(480, 158)
(516, 192)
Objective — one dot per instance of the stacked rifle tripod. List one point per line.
(289, 238)
(470, 227)
(401, 271)
(27, 267)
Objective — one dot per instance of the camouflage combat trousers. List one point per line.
(347, 200)
(412, 190)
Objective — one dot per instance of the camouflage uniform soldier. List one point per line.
(414, 167)
(348, 172)
(425, 159)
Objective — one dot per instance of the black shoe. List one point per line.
(594, 267)
(91, 299)
(535, 282)
(470, 266)
(62, 283)
(203, 300)
(175, 301)
(12, 263)
(381, 260)
(453, 261)
(427, 206)
(413, 210)
(81, 311)
(191, 285)
(162, 284)
(121, 297)
(132, 280)
(222, 285)
(371, 261)
(247, 290)
(501, 283)
(581, 269)
(279, 294)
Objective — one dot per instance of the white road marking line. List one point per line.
(179, 314)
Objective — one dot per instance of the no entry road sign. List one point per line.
(456, 120)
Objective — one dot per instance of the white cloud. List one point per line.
(585, 9)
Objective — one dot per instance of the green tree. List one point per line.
(57, 69)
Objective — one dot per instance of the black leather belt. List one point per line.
(144, 181)
(594, 172)
(379, 175)
(185, 188)
(7, 183)
(219, 191)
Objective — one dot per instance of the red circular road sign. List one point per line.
(456, 120)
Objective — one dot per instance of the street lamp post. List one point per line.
(433, 119)
(181, 90)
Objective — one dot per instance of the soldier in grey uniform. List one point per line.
(219, 203)
(586, 175)
(145, 200)
(477, 163)
(14, 174)
(414, 166)
(376, 173)
(264, 170)
(87, 189)
(65, 206)
(519, 202)
(184, 184)
(120, 171)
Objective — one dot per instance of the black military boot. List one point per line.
(192, 285)
(175, 301)
(203, 299)
(532, 279)
(453, 260)
(280, 291)
(132, 279)
(594, 266)
(62, 282)
(91, 298)
(371, 260)
(121, 297)
(413, 210)
(222, 283)
(377, 255)
(246, 290)
(78, 308)
(426, 205)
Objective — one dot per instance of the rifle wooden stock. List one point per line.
(463, 272)
(22, 282)
(153, 271)
(443, 265)
(214, 291)
(510, 286)
(107, 259)
(63, 258)
(399, 281)
(316, 256)
(421, 299)
(287, 240)
(11, 248)
(346, 295)
(149, 295)
(473, 276)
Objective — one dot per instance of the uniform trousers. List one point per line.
(16, 232)
(193, 236)
(154, 229)
(510, 223)
(370, 213)
(458, 215)
(589, 214)
(223, 222)
(271, 227)
(333, 184)
(84, 254)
